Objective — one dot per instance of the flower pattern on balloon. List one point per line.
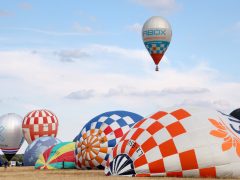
(230, 140)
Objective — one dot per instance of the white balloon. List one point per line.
(156, 35)
(11, 136)
(185, 142)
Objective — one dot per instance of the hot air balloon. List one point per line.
(156, 35)
(11, 137)
(182, 142)
(36, 148)
(100, 135)
(39, 123)
(75, 139)
(60, 156)
(235, 113)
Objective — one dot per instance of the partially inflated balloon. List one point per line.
(36, 148)
(183, 142)
(39, 123)
(236, 113)
(100, 135)
(11, 137)
(156, 35)
(60, 156)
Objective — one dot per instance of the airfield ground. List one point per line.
(28, 173)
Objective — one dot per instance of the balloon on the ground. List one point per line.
(183, 142)
(39, 123)
(36, 148)
(75, 139)
(156, 35)
(60, 156)
(100, 135)
(11, 136)
(236, 113)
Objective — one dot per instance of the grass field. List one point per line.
(26, 173)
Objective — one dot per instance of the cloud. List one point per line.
(72, 55)
(5, 13)
(185, 90)
(95, 51)
(83, 29)
(112, 79)
(136, 27)
(162, 6)
(130, 91)
(25, 6)
(119, 51)
(48, 32)
(81, 94)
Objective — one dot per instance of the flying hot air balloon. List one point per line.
(11, 137)
(100, 135)
(179, 142)
(39, 123)
(156, 35)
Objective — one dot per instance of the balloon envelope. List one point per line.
(60, 156)
(183, 142)
(39, 123)
(236, 113)
(11, 137)
(100, 135)
(36, 148)
(156, 35)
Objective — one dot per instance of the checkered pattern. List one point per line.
(100, 135)
(156, 47)
(154, 145)
(39, 123)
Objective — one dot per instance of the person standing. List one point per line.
(5, 164)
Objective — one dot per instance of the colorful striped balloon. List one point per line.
(60, 156)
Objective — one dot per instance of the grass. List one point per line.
(27, 173)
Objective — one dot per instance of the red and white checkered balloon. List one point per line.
(39, 123)
(182, 142)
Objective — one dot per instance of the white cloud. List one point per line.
(111, 78)
(83, 29)
(71, 55)
(162, 6)
(136, 27)
(81, 94)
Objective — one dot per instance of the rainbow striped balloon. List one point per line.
(59, 156)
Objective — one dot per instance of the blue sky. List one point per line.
(81, 58)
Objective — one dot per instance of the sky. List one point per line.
(82, 58)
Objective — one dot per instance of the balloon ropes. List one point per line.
(156, 35)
